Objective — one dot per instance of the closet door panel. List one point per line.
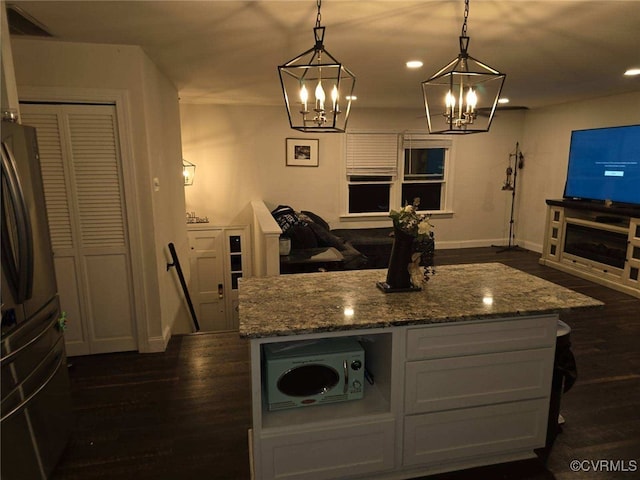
(69, 290)
(82, 174)
(109, 303)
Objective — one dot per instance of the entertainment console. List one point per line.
(594, 241)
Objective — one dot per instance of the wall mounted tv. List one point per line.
(604, 165)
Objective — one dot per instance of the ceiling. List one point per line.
(227, 51)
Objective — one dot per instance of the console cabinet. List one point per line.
(445, 397)
(595, 242)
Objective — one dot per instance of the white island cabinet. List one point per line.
(461, 371)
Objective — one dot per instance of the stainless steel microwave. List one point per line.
(313, 372)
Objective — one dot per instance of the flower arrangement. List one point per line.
(409, 221)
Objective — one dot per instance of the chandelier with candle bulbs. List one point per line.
(461, 98)
(317, 71)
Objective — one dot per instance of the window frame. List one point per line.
(397, 180)
(422, 141)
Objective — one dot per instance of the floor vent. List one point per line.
(21, 23)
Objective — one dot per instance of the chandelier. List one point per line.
(316, 72)
(462, 96)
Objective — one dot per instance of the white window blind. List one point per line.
(372, 154)
(419, 140)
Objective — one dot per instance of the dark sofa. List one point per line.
(361, 248)
(373, 243)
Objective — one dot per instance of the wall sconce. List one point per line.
(188, 172)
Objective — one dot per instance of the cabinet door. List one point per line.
(553, 239)
(456, 340)
(329, 454)
(456, 435)
(206, 252)
(632, 265)
(447, 383)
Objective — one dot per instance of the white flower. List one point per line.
(424, 227)
(416, 273)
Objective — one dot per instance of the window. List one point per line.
(383, 173)
(369, 194)
(424, 172)
(372, 166)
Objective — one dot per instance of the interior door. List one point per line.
(207, 287)
(82, 177)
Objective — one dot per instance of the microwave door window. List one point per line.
(308, 380)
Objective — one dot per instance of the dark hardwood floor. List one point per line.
(184, 414)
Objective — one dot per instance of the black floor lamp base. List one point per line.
(506, 248)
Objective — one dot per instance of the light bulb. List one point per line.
(320, 97)
(472, 100)
(304, 97)
(334, 98)
(450, 102)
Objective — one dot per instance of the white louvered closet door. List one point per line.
(82, 176)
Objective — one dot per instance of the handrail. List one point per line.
(185, 289)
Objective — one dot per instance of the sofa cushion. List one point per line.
(301, 236)
(326, 238)
(286, 217)
(316, 219)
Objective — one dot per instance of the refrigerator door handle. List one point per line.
(52, 321)
(25, 403)
(23, 245)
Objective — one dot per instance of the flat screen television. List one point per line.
(604, 165)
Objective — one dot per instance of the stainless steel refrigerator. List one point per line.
(35, 420)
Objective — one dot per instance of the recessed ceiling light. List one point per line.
(632, 71)
(503, 100)
(414, 64)
(351, 97)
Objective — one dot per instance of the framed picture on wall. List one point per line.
(302, 152)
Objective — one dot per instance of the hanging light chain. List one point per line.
(464, 23)
(319, 16)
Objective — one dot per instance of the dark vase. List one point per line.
(398, 277)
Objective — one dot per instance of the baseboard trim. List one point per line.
(156, 344)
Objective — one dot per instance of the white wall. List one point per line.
(239, 154)
(8, 91)
(546, 149)
(155, 150)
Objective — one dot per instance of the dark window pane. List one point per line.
(429, 194)
(369, 178)
(234, 244)
(234, 280)
(424, 163)
(236, 263)
(369, 198)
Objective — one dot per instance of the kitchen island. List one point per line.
(462, 371)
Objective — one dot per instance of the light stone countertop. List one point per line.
(349, 300)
